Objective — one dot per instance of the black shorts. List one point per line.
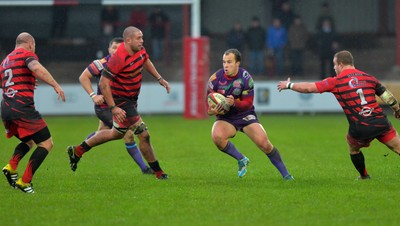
(37, 137)
(371, 130)
(105, 115)
(132, 116)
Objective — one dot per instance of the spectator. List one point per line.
(286, 14)
(297, 37)
(109, 21)
(275, 7)
(138, 18)
(325, 14)
(236, 37)
(255, 39)
(109, 26)
(327, 41)
(159, 27)
(276, 42)
(59, 21)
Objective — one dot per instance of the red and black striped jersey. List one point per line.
(18, 84)
(355, 91)
(125, 72)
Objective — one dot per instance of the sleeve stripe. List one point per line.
(98, 65)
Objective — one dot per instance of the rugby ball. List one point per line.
(215, 98)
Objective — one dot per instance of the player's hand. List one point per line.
(60, 93)
(229, 100)
(119, 114)
(397, 114)
(98, 99)
(164, 83)
(216, 109)
(283, 84)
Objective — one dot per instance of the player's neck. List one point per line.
(233, 74)
(129, 50)
(348, 67)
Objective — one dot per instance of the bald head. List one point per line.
(26, 41)
(24, 37)
(129, 32)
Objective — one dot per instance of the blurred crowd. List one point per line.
(156, 21)
(279, 48)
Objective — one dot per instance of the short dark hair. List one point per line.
(238, 55)
(116, 40)
(344, 57)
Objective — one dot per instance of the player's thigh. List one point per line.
(222, 130)
(105, 116)
(394, 143)
(355, 145)
(42, 138)
(256, 133)
(103, 126)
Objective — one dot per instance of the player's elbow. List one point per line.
(83, 79)
(308, 88)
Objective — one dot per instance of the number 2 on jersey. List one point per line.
(8, 73)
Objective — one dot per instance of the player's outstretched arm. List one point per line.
(301, 87)
(43, 74)
(149, 67)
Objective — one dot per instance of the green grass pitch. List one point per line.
(203, 189)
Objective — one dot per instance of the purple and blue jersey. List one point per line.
(241, 87)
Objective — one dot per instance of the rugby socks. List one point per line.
(19, 152)
(134, 152)
(155, 166)
(276, 160)
(82, 148)
(35, 161)
(359, 163)
(231, 150)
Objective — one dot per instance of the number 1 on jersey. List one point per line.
(362, 97)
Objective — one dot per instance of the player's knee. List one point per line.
(266, 147)
(128, 139)
(220, 141)
(269, 146)
(218, 137)
(142, 127)
(30, 143)
(47, 144)
(144, 137)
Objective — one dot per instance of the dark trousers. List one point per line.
(297, 62)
